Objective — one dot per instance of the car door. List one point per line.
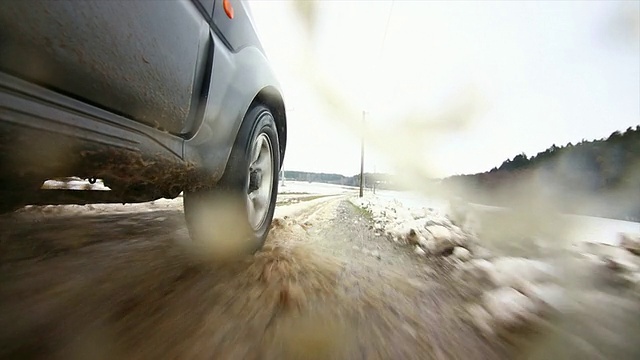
(140, 59)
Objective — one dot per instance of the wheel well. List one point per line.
(271, 98)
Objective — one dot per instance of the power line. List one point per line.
(386, 28)
(382, 45)
(380, 54)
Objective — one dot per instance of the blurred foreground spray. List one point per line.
(599, 325)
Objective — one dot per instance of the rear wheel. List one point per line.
(233, 217)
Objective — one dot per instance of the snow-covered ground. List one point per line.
(303, 187)
(151, 206)
(286, 188)
(514, 292)
(412, 200)
(75, 184)
(301, 195)
(405, 206)
(583, 228)
(601, 230)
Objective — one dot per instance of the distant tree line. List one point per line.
(382, 181)
(607, 170)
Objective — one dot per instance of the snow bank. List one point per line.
(426, 228)
(621, 263)
(514, 292)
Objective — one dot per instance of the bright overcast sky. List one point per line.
(537, 73)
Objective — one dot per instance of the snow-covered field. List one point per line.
(583, 228)
(303, 187)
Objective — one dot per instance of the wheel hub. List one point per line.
(255, 179)
(260, 179)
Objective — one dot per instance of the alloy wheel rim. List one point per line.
(260, 180)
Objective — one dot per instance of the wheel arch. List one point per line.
(239, 80)
(270, 97)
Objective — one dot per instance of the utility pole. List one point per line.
(362, 155)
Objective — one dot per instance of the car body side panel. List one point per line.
(134, 92)
(239, 31)
(135, 58)
(237, 79)
(207, 6)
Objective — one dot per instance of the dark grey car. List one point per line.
(156, 98)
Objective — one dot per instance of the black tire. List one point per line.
(221, 218)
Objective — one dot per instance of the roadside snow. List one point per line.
(515, 292)
(303, 187)
(426, 228)
(585, 228)
(75, 183)
(151, 206)
(594, 229)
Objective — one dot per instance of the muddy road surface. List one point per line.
(118, 284)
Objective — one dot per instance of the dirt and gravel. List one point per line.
(109, 284)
